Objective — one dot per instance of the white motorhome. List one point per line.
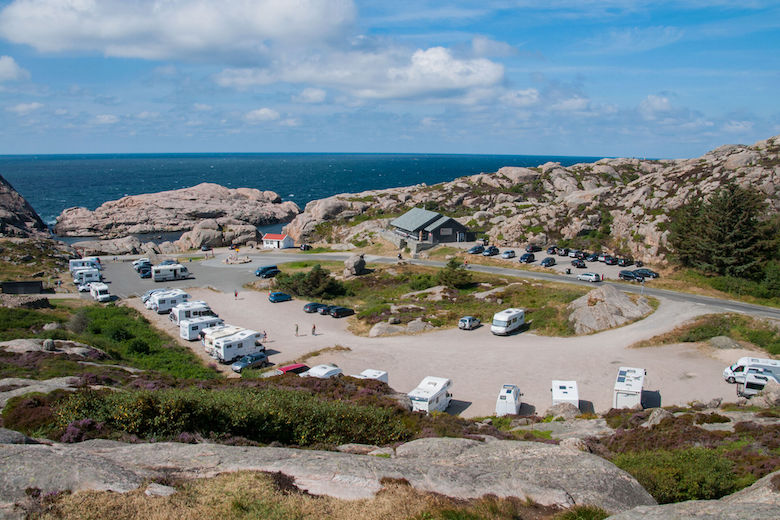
(165, 301)
(190, 329)
(507, 321)
(229, 348)
(163, 273)
(86, 275)
(322, 371)
(370, 373)
(187, 310)
(508, 401)
(736, 372)
(565, 392)
(80, 263)
(754, 381)
(628, 387)
(210, 335)
(431, 395)
(99, 291)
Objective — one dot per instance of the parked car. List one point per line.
(140, 261)
(341, 312)
(305, 247)
(579, 264)
(142, 265)
(256, 360)
(326, 309)
(610, 260)
(168, 262)
(490, 251)
(509, 253)
(468, 323)
(625, 262)
(476, 250)
(548, 262)
(269, 273)
(573, 253)
(263, 268)
(594, 257)
(532, 248)
(589, 277)
(85, 287)
(145, 272)
(312, 307)
(527, 258)
(276, 297)
(204, 247)
(630, 276)
(602, 257)
(582, 255)
(552, 250)
(563, 251)
(646, 273)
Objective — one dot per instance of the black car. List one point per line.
(264, 269)
(578, 263)
(527, 258)
(592, 257)
(476, 250)
(270, 273)
(610, 260)
(548, 262)
(490, 251)
(646, 273)
(630, 276)
(313, 307)
(625, 262)
(532, 248)
(326, 309)
(582, 255)
(563, 251)
(552, 250)
(340, 312)
(305, 247)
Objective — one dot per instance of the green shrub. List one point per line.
(421, 281)
(676, 476)
(582, 513)
(454, 275)
(317, 283)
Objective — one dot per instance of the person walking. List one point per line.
(296, 329)
(235, 294)
(313, 330)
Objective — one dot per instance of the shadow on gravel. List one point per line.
(457, 407)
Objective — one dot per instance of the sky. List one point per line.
(637, 78)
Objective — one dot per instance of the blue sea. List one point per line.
(52, 183)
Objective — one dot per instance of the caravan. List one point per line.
(86, 275)
(81, 263)
(229, 348)
(99, 291)
(431, 395)
(190, 329)
(628, 388)
(210, 335)
(736, 372)
(370, 373)
(565, 392)
(507, 321)
(754, 381)
(508, 401)
(187, 310)
(163, 273)
(163, 302)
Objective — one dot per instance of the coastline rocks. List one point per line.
(117, 246)
(605, 308)
(177, 210)
(17, 217)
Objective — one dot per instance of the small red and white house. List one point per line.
(277, 241)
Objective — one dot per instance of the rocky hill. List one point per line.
(623, 203)
(177, 210)
(17, 217)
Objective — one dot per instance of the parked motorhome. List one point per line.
(90, 274)
(99, 291)
(431, 395)
(508, 401)
(80, 263)
(370, 373)
(190, 329)
(187, 310)
(229, 348)
(210, 335)
(754, 381)
(628, 387)
(163, 273)
(164, 302)
(152, 300)
(507, 321)
(565, 392)
(736, 372)
(325, 371)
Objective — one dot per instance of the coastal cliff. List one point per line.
(17, 217)
(624, 202)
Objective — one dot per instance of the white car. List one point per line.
(85, 287)
(509, 253)
(468, 323)
(589, 277)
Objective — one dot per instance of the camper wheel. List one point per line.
(731, 380)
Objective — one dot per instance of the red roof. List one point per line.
(274, 236)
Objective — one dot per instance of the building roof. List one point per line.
(415, 219)
(274, 236)
(437, 223)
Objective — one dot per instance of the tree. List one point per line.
(317, 283)
(454, 275)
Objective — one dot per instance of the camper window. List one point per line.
(740, 368)
(755, 386)
(500, 323)
(420, 399)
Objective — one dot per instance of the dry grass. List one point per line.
(246, 495)
(319, 352)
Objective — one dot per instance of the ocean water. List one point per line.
(52, 183)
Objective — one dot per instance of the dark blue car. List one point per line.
(276, 297)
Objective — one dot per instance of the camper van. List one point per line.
(565, 392)
(210, 335)
(736, 372)
(370, 373)
(187, 310)
(99, 291)
(80, 263)
(190, 329)
(507, 321)
(82, 276)
(163, 273)
(754, 381)
(431, 395)
(229, 348)
(325, 371)
(628, 387)
(508, 401)
(165, 301)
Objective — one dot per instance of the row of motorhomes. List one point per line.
(751, 374)
(87, 275)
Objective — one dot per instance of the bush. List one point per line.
(583, 513)
(138, 346)
(317, 283)
(421, 281)
(32, 414)
(454, 275)
(676, 476)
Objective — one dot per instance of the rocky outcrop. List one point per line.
(769, 397)
(461, 468)
(178, 210)
(605, 308)
(17, 217)
(355, 265)
(630, 198)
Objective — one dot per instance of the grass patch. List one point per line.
(26, 259)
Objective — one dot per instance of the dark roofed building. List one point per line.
(429, 226)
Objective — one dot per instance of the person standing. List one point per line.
(313, 329)
(296, 329)
(235, 294)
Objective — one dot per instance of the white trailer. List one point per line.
(565, 392)
(86, 275)
(190, 329)
(229, 348)
(190, 309)
(431, 395)
(507, 321)
(628, 388)
(754, 381)
(508, 401)
(165, 301)
(80, 263)
(99, 291)
(322, 371)
(164, 273)
(211, 334)
(736, 372)
(370, 373)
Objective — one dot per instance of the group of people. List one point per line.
(313, 329)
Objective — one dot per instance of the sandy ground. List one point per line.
(479, 363)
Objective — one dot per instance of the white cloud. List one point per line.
(261, 114)
(147, 115)
(635, 39)
(485, 47)
(310, 95)
(10, 70)
(105, 119)
(158, 29)
(572, 104)
(736, 127)
(291, 122)
(25, 108)
(654, 106)
(202, 107)
(521, 98)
